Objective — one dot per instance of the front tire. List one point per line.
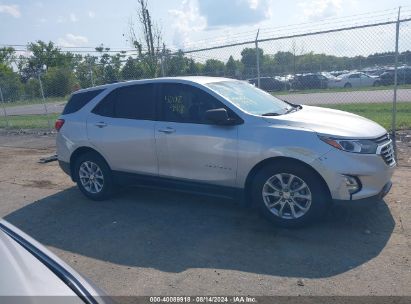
(93, 176)
(290, 194)
(348, 85)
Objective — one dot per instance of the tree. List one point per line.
(10, 84)
(147, 39)
(249, 57)
(44, 56)
(59, 81)
(84, 71)
(109, 68)
(214, 67)
(7, 56)
(132, 69)
(177, 65)
(194, 68)
(233, 67)
(32, 89)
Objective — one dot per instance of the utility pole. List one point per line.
(258, 58)
(163, 54)
(394, 102)
(44, 100)
(4, 108)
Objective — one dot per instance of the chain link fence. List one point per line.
(365, 69)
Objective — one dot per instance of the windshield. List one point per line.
(249, 98)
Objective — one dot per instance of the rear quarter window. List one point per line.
(79, 100)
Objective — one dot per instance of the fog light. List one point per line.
(352, 183)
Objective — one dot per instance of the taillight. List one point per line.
(58, 124)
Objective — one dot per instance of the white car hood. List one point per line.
(330, 122)
(24, 275)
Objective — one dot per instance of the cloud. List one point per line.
(91, 14)
(198, 15)
(71, 40)
(12, 10)
(73, 17)
(186, 20)
(320, 9)
(234, 12)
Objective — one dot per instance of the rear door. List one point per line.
(121, 127)
(188, 146)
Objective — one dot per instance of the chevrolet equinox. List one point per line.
(223, 137)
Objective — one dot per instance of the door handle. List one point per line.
(167, 130)
(101, 124)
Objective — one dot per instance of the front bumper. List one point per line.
(65, 167)
(371, 170)
(368, 200)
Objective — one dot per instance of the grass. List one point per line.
(35, 101)
(28, 121)
(379, 112)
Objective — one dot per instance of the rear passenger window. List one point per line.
(79, 100)
(131, 102)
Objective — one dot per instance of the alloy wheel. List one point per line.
(287, 196)
(91, 177)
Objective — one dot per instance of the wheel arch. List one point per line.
(282, 159)
(77, 153)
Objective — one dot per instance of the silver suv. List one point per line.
(222, 137)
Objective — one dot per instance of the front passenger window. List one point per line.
(187, 104)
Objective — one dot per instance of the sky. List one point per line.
(184, 24)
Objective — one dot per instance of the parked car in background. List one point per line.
(328, 75)
(403, 76)
(354, 80)
(28, 269)
(377, 71)
(309, 81)
(338, 73)
(223, 137)
(269, 84)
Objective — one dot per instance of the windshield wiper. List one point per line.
(294, 108)
(294, 105)
(271, 114)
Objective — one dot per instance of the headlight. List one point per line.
(363, 146)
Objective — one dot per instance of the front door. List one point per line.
(188, 146)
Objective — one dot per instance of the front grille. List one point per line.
(382, 139)
(387, 154)
(385, 149)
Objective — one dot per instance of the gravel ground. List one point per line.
(147, 242)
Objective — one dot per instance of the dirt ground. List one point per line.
(147, 242)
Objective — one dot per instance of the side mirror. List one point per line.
(219, 117)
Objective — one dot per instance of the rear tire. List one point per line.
(93, 176)
(301, 201)
(348, 85)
